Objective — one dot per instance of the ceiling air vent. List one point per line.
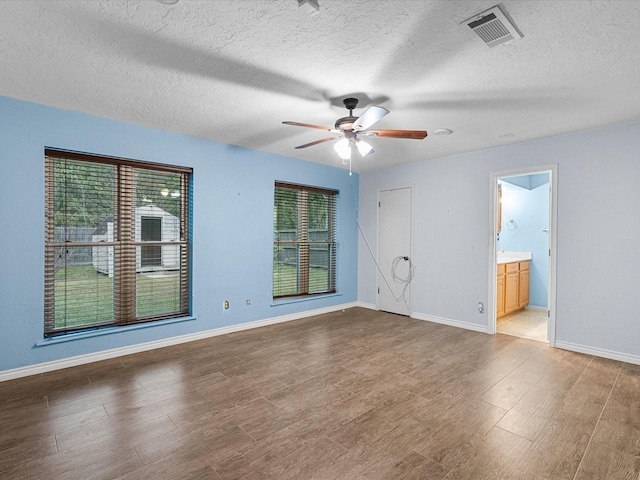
(493, 27)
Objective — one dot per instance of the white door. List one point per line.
(394, 251)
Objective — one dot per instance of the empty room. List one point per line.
(319, 239)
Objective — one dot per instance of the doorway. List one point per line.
(523, 253)
(394, 251)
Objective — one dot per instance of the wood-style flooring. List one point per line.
(355, 394)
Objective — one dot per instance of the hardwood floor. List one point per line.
(356, 394)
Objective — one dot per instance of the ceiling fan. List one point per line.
(349, 130)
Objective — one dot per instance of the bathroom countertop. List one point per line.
(511, 257)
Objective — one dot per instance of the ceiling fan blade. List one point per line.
(415, 134)
(328, 139)
(369, 117)
(308, 125)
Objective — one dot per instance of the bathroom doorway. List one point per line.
(523, 254)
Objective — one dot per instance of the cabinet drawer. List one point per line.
(501, 269)
(524, 265)
(511, 267)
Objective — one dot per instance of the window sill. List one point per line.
(109, 331)
(287, 301)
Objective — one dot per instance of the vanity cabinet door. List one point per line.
(511, 281)
(512, 289)
(511, 292)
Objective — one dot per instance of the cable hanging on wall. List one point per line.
(406, 280)
(394, 264)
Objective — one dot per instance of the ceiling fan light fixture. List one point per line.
(343, 148)
(364, 148)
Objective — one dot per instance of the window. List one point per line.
(304, 248)
(117, 245)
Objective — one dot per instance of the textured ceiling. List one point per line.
(232, 70)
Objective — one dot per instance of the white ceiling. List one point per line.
(232, 70)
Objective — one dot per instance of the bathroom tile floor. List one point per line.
(530, 324)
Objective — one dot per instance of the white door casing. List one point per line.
(552, 170)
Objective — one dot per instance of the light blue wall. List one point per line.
(232, 226)
(530, 211)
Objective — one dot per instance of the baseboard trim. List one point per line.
(452, 323)
(536, 308)
(370, 306)
(598, 352)
(166, 342)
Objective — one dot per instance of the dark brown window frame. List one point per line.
(304, 244)
(124, 242)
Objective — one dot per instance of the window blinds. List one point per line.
(304, 248)
(117, 242)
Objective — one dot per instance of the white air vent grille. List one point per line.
(493, 27)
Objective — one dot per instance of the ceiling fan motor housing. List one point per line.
(346, 123)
